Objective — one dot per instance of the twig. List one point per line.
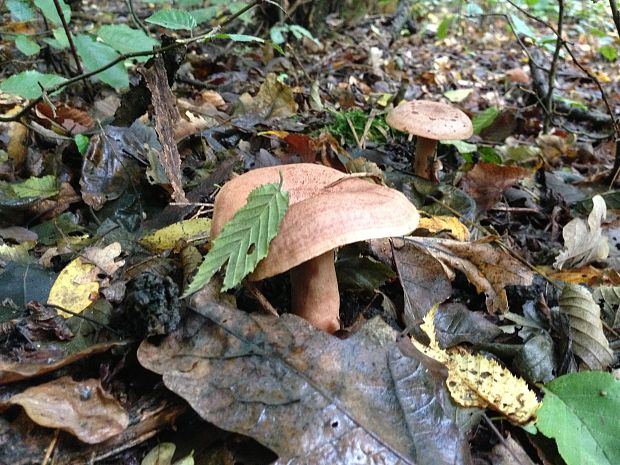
(65, 26)
(135, 18)
(553, 68)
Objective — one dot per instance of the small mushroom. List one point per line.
(430, 122)
(327, 209)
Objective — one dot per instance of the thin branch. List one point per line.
(65, 26)
(553, 68)
(615, 14)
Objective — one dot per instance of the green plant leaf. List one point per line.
(125, 39)
(461, 146)
(94, 55)
(81, 141)
(521, 27)
(26, 83)
(484, 119)
(20, 10)
(457, 95)
(580, 410)
(173, 19)
(239, 38)
(444, 28)
(609, 52)
(41, 188)
(244, 240)
(49, 10)
(202, 15)
(26, 45)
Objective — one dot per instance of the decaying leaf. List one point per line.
(609, 298)
(75, 288)
(589, 341)
(439, 223)
(244, 240)
(104, 258)
(45, 361)
(273, 100)
(310, 397)
(477, 381)
(583, 242)
(162, 454)
(166, 238)
(485, 182)
(488, 268)
(82, 408)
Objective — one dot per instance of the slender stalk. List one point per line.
(65, 26)
(559, 43)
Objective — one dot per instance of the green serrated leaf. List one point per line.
(580, 410)
(95, 54)
(244, 240)
(26, 45)
(125, 39)
(49, 10)
(20, 10)
(173, 19)
(26, 83)
(484, 119)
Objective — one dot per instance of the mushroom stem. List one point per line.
(425, 158)
(314, 290)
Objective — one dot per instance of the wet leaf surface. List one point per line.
(313, 397)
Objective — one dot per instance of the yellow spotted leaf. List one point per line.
(166, 238)
(441, 223)
(75, 288)
(477, 381)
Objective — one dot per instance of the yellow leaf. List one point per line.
(439, 223)
(166, 238)
(75, 288)
(477, 381)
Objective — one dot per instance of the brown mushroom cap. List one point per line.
(321, 215)
(300, 180)
(432, 120)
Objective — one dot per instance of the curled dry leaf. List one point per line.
(584, 242)
(488, 268)
(310, 397)
(82, 408)
(589, 341)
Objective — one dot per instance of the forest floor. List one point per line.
(134, 366)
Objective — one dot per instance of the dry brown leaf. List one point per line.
(32, 364)
(104, 258)
(310, 397)
(488, 268)
(82, 408)
(589, 341)
(274, 100)
(584, 242)
(485, 182)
